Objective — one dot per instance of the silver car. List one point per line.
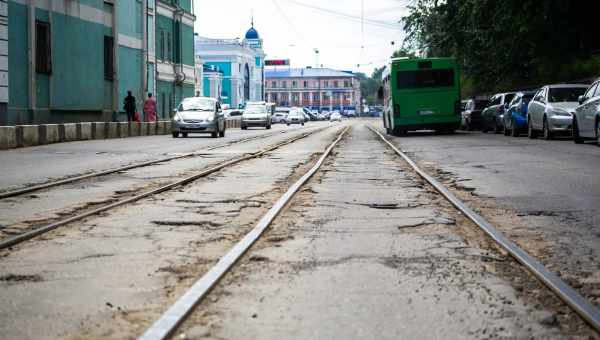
(296, 116)
(256, 115)
(586, 120)
(551, 110)
(198, 115)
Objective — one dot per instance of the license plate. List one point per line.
(426, 112)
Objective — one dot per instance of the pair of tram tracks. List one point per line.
(39, 230)
(165, 326)
(68, 180)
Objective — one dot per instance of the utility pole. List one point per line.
(316, 58)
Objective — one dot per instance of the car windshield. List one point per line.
(197, 104)
(296, 113)
(258, 109)
(565, 94)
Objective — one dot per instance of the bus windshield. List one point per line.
(425, 78)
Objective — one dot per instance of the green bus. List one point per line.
(421, 94)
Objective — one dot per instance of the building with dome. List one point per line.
(241, 64)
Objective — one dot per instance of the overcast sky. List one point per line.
(292, 29)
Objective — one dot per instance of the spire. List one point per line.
(252, 18)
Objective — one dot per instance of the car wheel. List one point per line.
(185, 134)
(575, 132)
(175, 134)
(244, 127)
(513, 131)
(214, 134)
(547, 133)
(302, 124)
(506, 131)
(598, 132)
(288, 124)
(269, 127)
(497, 129)
(222, 133)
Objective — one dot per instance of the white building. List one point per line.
(241, 64)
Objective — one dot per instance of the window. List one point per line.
(294, 84)
(426, 78)
(161, 49)
(168, 52)
(305, 84)
(284, 84)
(109, 62)
(346, 83)
(336, 84)
(591, 91)
(273, 84)
(316, 95)
(43, 54)
(326, 83)
(306, 96)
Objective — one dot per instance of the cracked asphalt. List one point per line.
(369, 251)
(365, 250)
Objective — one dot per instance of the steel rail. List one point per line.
(578, 303)
(178, 312)
(26, 190)
(9, 242)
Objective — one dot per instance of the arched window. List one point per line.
(246, 83)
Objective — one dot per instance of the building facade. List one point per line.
(241, 64)
(317, 88)
(3, 57)
(175, 62)
(73, 61)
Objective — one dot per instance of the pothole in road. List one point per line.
(204, 224)
(20, 278)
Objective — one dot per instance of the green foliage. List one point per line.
(509, 43)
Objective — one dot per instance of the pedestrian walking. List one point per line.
(150, 108)
(129, 106)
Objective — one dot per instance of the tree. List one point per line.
(507, 44)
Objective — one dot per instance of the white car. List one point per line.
(278, 117)
(296, 116)
(551, 109)
(335, 117)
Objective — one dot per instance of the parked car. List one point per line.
(471, 113)
(256, 114)
(493, 115)
(335, 117)
(278, 117)
(198, 115)
(296, 116)
(515, 118)
(309, 114)
(586, 119)
(551, 110)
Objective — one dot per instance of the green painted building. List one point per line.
(73, 61)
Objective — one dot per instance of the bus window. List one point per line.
(425, 78)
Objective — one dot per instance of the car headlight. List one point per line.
(558, 112)
(177, 118)
(210, 119)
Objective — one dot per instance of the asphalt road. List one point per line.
(365, 250)
(26, 166)
(544, 194)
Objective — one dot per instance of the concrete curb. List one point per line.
(31, 135)
(8, 137)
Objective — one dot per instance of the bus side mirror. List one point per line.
(380, 93)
